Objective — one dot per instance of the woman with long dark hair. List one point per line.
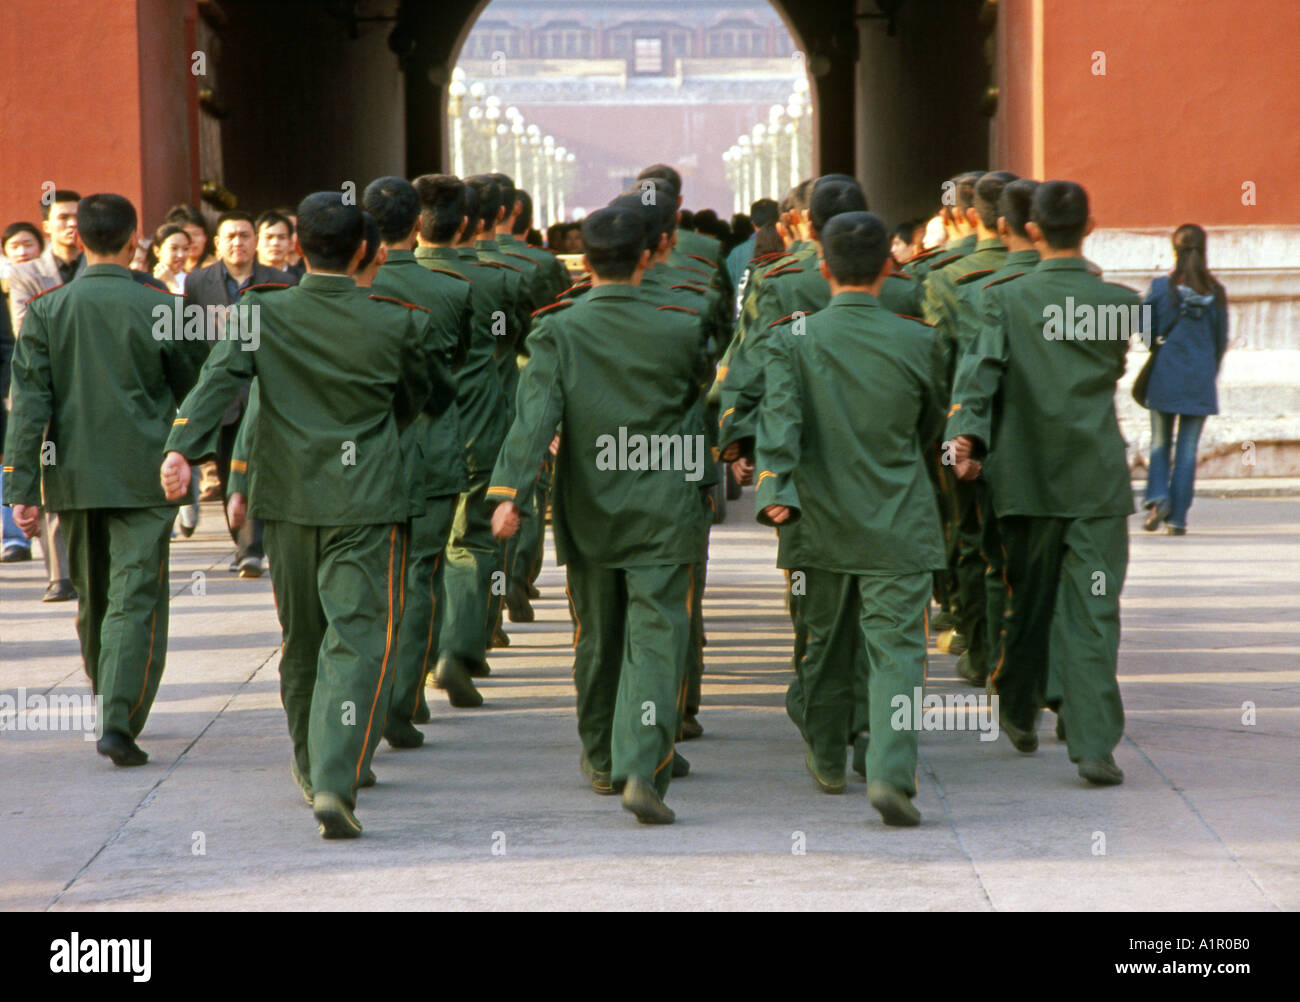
(1190, 308)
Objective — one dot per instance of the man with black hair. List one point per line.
(959, 234)
(89, 367)
(511, 235)
(965, 596)
(763, 212)
(1037, 406)
(700, 247)
(851, 399)
(442, 476)
(341, 374)
(610, 365)
(275, 242)
(450, 222)
(216, 287)
(60, 262)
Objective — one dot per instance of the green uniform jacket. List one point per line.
(921, 265)
(446, 295)
(480, 399)
(612, 367)
(939, 302)
(849, 407)
(91, 364)
(341, 373)
(1045, 409)
(970, 294)
(554, 276)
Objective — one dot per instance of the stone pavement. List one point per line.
(492, 813)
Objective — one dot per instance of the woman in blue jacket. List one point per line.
(1191, 306)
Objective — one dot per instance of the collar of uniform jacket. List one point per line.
(855, 299)
(396, 256)
(1064, 264)
(105, 271)
(615, 290)
(316, 282)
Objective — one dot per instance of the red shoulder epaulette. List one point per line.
(946, 261)
(577, 285)
(522, 257)
(553, 306)
(777, 323)
(1004, 278)
(907, 316)
(789, 269)
(268, 285)
(924, 255)
(693, 288)
(454, 274)
(901, 274)
(970, 276)
(502, 264)
(711, 264)
(698, 271)
(768, 256)
(400, 302)
(45, 292)
(683, 309)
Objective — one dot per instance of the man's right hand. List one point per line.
(175, 476)
(236, 510)
(743, 469)
(731, 453)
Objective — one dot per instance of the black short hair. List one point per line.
(1060, 209)
(372, 237)
(524, 221)
(652, 219)
(1014, 204)
(60, 195)
(988, 189)
(105, 222)
(705, 221)
(763, 212)
(662, 171)
(656, 203)
(272, 217)
(13, 229)
(906, 230)
(442, 206)
(555, 234)
(856, 245)
(509, 193)
(236, 215)
(686, 219)
(329, 230)
(489, 198)
(160, 237)
(964, 189)
(613, 239)
(395, 206)
(533, 238)
(185, 215)
(796, 199)
(288, 212)
(832, 196)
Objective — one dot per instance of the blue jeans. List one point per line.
(12, 535)
(1177, 488)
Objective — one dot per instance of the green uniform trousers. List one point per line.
(527, 564)
(794, 695)
(848, 618)
(338, 594)
(631, 629)
(969, 602)
(118, 561)
(995, 585)
(469, 607)
(1064, 577)
(417, 637)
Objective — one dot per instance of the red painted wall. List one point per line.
(73, 109)
(1199, 96)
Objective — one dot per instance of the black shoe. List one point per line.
(827, 784)
(15, 554)
(1157, 512)
(518, 608)
(860, 753)
(121, 749)
(422, 714)
(680, 766)
(1060, 728)
(1176, 530)
(60, 591)
(499, 637)
(401, 734)
(598, 778)
(368, 780)
(532, 590)
(335, 818)
(967, 670)
(1023, 740)
(640, 798)
(943, 620)
(1101, 772)
(304, 784)
(691, 729)
(478, 669)
(453, 675)
(895, 806)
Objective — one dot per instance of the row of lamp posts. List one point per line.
(486, 138)
(774, 155)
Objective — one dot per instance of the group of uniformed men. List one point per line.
(433, 384)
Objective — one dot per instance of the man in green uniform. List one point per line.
(851, 400)
(1035, 400)
(339, 374)
(940, 307)
(622, 374)
(978, 527)
(102, 363)
(450, 222)
(439, 447)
